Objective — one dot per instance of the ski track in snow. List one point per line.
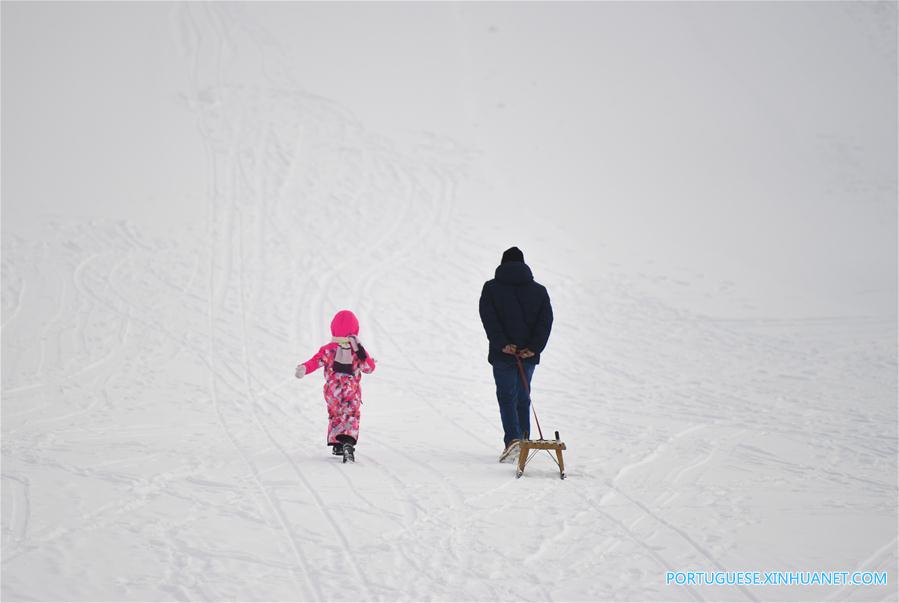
(155, 445)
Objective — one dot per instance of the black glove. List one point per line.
(361, 353)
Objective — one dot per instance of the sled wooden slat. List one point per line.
(543, 445)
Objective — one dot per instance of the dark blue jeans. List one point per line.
(514, 401)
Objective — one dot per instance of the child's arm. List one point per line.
(366, 362)
(311, 365)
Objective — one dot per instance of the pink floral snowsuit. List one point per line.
(343, 392)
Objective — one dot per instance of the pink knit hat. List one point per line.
(344, 324)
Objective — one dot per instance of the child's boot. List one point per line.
(337, 449)
(349, 449)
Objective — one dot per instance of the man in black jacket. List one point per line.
(517, 318)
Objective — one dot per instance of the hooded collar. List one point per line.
(514, 273)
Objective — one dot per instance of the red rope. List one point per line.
(524, 381)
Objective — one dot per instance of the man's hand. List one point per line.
(526, 353)
(510, 349)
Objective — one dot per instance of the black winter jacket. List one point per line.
(515, 309)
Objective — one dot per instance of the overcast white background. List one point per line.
(190, 191)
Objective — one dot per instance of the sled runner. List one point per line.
(528, 449)
(525, 453)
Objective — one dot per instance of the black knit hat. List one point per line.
(512, 254)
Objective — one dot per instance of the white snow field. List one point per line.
(191, 191)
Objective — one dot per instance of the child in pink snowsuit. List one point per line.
(344, 360)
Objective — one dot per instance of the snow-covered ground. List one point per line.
(191, 191)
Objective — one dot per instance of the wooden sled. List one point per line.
(525, 453)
